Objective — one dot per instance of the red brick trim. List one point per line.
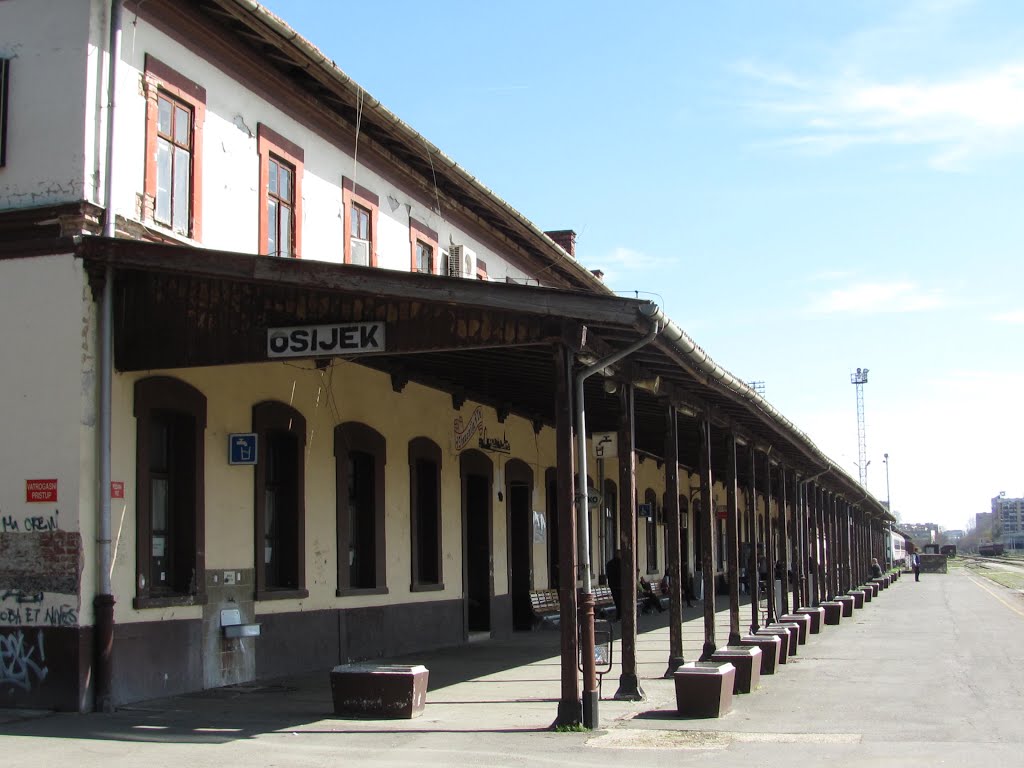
(269, 142)
(160, 77)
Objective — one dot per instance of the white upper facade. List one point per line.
(240, 134)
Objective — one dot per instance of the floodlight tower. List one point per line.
(859, 379)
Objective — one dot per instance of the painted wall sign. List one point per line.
(117, 489)
(325, 340)
(493, 444)
(606, 445)
(40, 490)
(464, 431)
(242, 448)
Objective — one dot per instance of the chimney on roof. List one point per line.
(599, 274)
(566, 238)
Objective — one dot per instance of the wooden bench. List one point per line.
(545, 607)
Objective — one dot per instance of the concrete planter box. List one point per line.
(874, 589)
(747, 661)
(802, 620)
(868, 593)
(858, 598)
(379, 690)
(783, 635)
(833, 612)
(770, 647)
(817, 616)
(847, 603)
(794, 633)
(704, 688)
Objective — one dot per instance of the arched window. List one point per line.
(425, 513)
(360, 453)
(170, 424)
(280, 501)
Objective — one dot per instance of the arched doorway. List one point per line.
(519, 524)
(477, 475)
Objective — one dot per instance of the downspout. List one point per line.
(103, 603)
(590, 690)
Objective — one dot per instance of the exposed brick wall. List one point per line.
(48, 561)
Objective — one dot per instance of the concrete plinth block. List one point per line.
(816, 615)
(783, 635)
(868, 593)
(874, 589)
(794, 633)
(747, 661)
(771, 650)
(833, 611)
(847, 603)
(802, 620)
(880, 582)
(379, 690)
(858, 598)
(704, 688)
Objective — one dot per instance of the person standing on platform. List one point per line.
(915, 562)
(613, 571)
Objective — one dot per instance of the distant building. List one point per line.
(983, 523)
(920, 533)
(1010, 515)
(953, 536)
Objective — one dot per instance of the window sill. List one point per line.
(282, 594)
(169, 601)
(356, 592)
(426, 587)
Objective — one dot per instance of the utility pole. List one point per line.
(888, 496)
(859, 379)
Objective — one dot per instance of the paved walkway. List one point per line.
(928, 673)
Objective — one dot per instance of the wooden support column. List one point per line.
(733, 542)
(800, 539)
(752, 576)
(813, 496)
(570, 705)
(707, 522)
(783, 542)
(844, 526)
(835, 562)
(769, 541)
(674, 551)
(629, 682)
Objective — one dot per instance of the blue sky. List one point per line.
(807, 187)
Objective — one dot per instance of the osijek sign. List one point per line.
(325, 340)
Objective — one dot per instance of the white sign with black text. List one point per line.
(325, 340)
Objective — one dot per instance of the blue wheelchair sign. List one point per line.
(242, 448)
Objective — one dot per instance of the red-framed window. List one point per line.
(425, 255)
(173, 175)
(361, 207)
(281, 171)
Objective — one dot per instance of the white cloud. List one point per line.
(1014, 317)
(873, 298)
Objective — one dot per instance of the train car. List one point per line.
(949, 550)
(898, 550)
(990, 549)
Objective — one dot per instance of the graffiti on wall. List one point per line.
(30, 523)
(19, 608)
(22, 660)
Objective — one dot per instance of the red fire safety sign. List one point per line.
(40, 490)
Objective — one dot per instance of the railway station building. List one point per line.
(286, 386)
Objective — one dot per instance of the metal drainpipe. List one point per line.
(103, 602)
(590, 692)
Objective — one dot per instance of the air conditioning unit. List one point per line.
(461, 262)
